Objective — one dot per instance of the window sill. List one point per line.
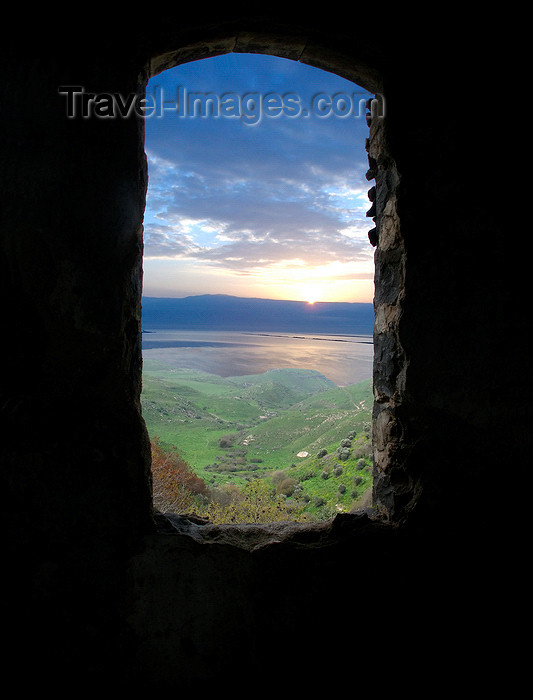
(255, 537)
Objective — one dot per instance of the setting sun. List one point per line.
(311, 293)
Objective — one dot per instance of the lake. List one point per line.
(345, 359)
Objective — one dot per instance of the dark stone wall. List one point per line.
(97, 590)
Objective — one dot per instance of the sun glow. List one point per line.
(311, 293)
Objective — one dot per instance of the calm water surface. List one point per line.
(343, 359)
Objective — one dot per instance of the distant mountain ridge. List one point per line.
(229, 313)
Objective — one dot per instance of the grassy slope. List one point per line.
(311, 425)
(271, 417)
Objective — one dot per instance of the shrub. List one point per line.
(174, 484)
(297, 492)
(363, 448)
(343, 453)
(307, 475)
(257, 504)
(278, 476)
(286, 487)
(225, 494)
(226, 441)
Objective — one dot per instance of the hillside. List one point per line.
(229, 313)
(283, 423)
(311, 424)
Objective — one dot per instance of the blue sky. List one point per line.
(267, 204)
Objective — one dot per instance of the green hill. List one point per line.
(282, 425)
(302, 382)
(310, 425)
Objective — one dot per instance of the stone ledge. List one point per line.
(254, 537)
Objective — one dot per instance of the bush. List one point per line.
(174, 484)
(343, 453)
(286, 487)
(225, 494)
(257, 504)
(297, 492)
(226, 441)
(362, 449)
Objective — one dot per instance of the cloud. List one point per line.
(281, 194)
(251, 218)
(163, 241)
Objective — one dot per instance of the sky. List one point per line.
(267, 198)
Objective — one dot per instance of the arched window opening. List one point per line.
(258, 291)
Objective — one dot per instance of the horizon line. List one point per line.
(254, 298)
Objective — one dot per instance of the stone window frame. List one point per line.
(394, 492)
